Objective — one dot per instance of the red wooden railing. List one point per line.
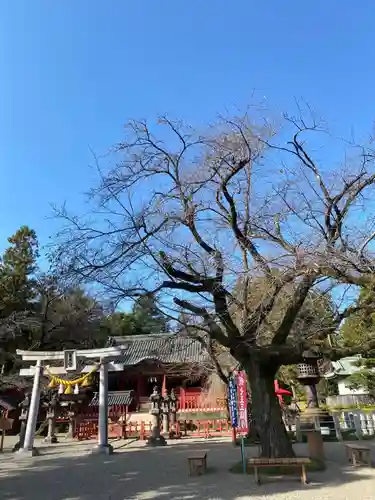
(88, 429)
(195, 400)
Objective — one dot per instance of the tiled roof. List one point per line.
(114, 398)
(166, 348)
(8, 403)
(344, 367)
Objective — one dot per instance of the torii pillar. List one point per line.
(103, 446)
(28, 444)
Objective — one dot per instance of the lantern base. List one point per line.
(312, 418)
(102, 449)
(156, 441)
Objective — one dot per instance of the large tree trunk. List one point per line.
(266, 412)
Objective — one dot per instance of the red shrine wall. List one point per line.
(188, 392)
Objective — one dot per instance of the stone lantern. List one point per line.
(309, 376)
(24, 407)
(156, 439)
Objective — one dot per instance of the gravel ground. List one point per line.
(68, 472)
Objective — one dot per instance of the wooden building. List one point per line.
(167, 360)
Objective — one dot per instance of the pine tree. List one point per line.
(17, 268)
(17, 293)
(147, 317)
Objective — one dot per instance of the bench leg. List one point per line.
(303, 475)
(354, 459)
(256, 475)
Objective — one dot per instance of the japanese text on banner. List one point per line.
(242, 402)
(232, 396)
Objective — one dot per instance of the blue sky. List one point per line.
(74, 71)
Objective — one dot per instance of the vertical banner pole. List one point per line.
(243, 454)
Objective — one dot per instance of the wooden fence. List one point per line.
(88, 429)
(356, 422)
(349, 400)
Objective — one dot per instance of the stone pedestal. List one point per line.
(51, 437)
(315, 445)
(156, 439)
(172, 418)
(70, 433)
(165, 424)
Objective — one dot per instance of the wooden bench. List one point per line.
(358, 454)
(197, 464)
(298, 462)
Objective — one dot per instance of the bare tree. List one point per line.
(186, 215)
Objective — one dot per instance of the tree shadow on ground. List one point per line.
(144, 473)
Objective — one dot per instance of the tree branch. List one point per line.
(293, 309)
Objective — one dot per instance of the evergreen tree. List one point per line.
(357, 330)
(144, 318)
(17, 293)
(17, 269)
(147, 317)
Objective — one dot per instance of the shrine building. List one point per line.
(171, 361)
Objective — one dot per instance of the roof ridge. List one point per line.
(146, 336)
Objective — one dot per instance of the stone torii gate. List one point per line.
(70, 359)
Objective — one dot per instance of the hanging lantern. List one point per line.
(61, 389)
(52, 384)
(68, 389)
(76, 389)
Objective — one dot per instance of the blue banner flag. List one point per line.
(232, 398)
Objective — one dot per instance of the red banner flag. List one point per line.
(243, 425)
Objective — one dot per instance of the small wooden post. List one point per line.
(142, 436)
